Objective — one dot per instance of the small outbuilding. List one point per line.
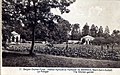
(15, 38)
(87, 39)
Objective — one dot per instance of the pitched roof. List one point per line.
(88, 37)
(14, 33)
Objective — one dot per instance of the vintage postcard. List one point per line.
(60, 37)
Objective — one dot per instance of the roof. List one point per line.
(14, 33)
(88, 37)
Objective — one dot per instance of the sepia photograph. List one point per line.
(61, 33)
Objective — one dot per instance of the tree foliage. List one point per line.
(85, 30)
(93, 30)
(100, 31)
(31, 13)
(75, 32)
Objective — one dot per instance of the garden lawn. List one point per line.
(41, 60)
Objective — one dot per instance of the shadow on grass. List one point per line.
(42, 60)
(8, 54)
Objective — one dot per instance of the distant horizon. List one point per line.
(100, 13)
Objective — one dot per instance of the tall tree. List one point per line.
(100, 32)
(75, 31)
(64, 27)
(85, 30)
(34, 12)
(97, 29)
(106, 32)
(93, 30)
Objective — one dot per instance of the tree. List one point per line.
(116, 36)
(106, 32)
(64, 27)
(96, 32)
(99, 41)
(100, 32)
(85, 30)
(93, 30)
(75, 31)
(115, 32)
(76, 27)
(35, 12)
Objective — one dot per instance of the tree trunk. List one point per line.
(101, 47)
(33, 40)
(112, 47)
(67, 44)
(33, 32)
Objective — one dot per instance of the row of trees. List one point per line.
(94, 31)
(102, 36)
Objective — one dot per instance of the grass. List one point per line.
(42, 60)
(17, 57)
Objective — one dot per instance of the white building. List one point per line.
(15, 38)
(87, 39)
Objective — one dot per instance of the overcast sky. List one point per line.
(99, 12)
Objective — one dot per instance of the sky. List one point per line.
(99, 12)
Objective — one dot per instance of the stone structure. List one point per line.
(87, 39)
(15, 38)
